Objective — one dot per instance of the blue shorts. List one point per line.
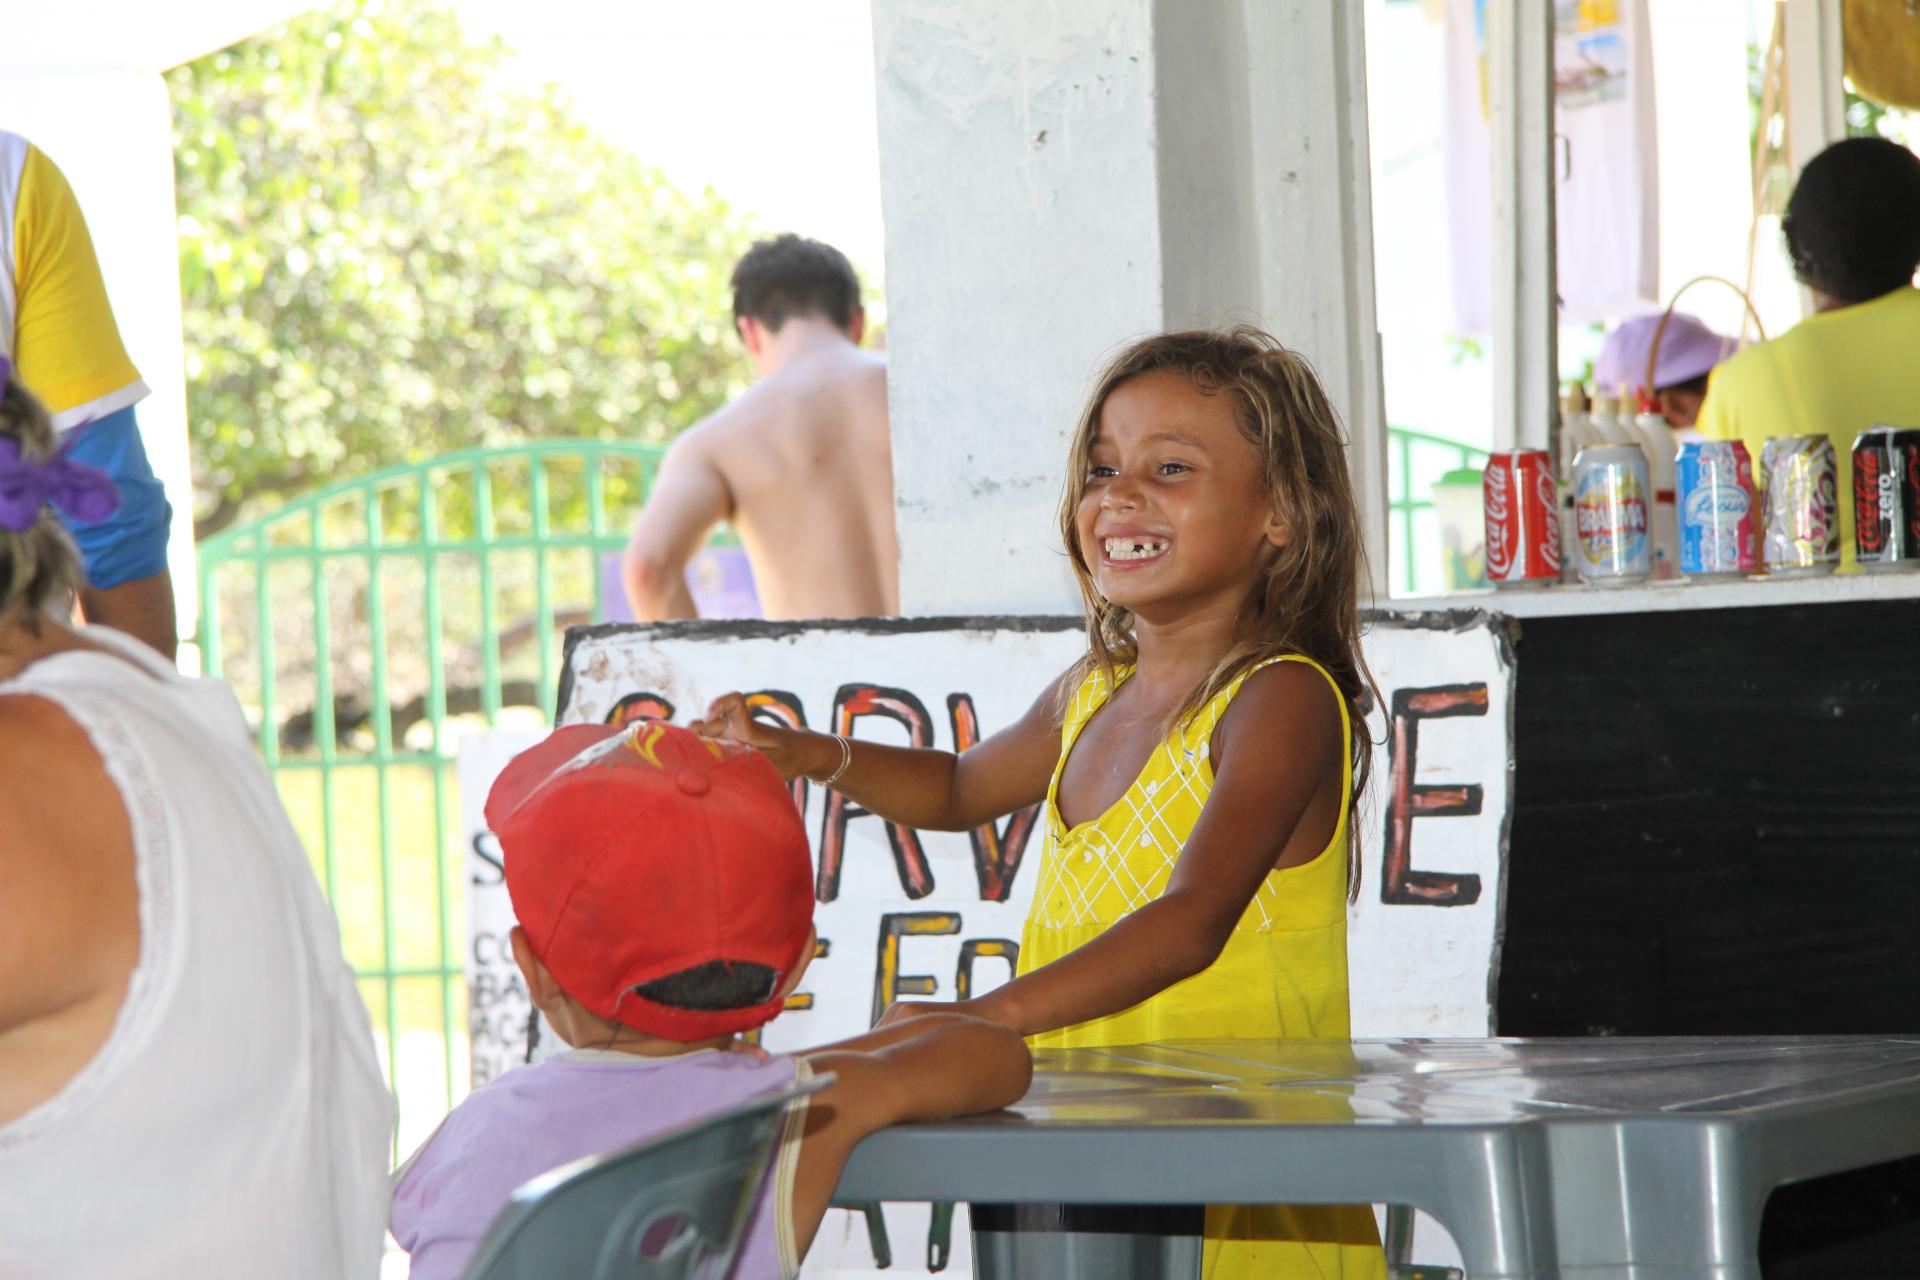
(131, 544)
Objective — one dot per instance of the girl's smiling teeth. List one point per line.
(1134, 547)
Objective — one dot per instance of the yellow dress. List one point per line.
(1282, 973)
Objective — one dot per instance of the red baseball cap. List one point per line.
(637, 851)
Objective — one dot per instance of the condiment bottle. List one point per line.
(1657, 439)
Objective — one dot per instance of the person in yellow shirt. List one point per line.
(1853, 232)
(57, 329)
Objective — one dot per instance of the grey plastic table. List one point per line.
(1603, 1159)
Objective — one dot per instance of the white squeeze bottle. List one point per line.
(1576, 433)
(1657, 439)
(1576, 428)
(1605, 423)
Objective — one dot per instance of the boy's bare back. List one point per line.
(807, 458)
(801, 463)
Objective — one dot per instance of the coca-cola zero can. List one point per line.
(1886, 498)
(1523, 519)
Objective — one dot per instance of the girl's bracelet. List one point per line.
(846, 758)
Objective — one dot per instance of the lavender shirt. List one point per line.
(574, 1104)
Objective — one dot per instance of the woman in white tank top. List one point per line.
(188, 1084)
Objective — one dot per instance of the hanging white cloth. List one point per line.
(1606, 152)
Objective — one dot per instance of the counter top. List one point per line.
(1673, 595)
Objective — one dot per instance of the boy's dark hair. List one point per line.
(790, 276)
(716, 985)
(1852, 225)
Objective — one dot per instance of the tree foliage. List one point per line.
(389, 251)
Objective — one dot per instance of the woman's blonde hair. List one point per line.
(39, 565)
(1307, 600)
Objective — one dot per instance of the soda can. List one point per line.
(1801, 532)
(1611, 505)
(1906, 447)
(1886, 499)
(1716, 510)
(1522, 504)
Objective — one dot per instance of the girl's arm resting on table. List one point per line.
(930, 1069)
(930, 790)
(1278, 744)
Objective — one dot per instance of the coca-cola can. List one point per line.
(1612, 502)
(1801, 480)
(1716, 510)
(1886, 498)
(1523, 519)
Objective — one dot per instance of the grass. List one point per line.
(403, 919)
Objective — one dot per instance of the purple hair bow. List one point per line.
(85, 495)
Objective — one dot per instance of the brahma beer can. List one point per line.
(1523, 519)
(1886, 499)
(1612, 500)
(1716, 510)
(1801, 479)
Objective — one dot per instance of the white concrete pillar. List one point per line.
(1308, 79)
(1526, 313)
(1059, 176)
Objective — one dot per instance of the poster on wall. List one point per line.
(908, 914)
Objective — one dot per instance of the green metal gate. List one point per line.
(1415, 460)
(364, 627)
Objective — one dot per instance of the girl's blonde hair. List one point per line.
(39, 566)
(1307, 600)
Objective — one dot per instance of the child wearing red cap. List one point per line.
(663, 888)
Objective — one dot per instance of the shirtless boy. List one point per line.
(801, 464)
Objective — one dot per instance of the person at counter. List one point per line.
(1689, 351)
(1852, 229)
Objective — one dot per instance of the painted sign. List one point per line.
(935, 914)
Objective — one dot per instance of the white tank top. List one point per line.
(235, 1122)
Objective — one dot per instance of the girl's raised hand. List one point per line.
(791, 751)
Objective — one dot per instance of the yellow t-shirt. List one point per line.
(1282, 973)
(55, 323)
(1835, 373)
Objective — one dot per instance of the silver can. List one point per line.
(1612, 509)
(1801, 537)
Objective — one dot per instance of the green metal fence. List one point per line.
(364, 627)
(1415, 460)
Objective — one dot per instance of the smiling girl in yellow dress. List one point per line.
(1200, 765)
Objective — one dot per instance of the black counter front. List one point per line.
(1716, 823)
(1716, 830)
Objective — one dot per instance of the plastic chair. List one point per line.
(670, 1208)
